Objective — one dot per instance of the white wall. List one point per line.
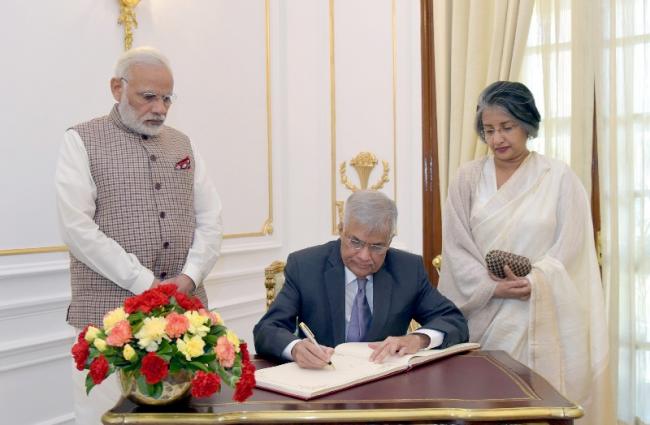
(58, 58)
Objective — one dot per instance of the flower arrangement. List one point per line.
(161, 332)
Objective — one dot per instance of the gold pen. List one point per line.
(312, 338)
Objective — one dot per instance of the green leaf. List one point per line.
(164, 347)
(206, 358)
(135, 318)
(135, 328)
(199, 366)
(142, 384)
(89, 384)
(156, 389)
(130, 367)
(219, 330)
(211, 339)
(227, 378)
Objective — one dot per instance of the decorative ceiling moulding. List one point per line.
(363, 162)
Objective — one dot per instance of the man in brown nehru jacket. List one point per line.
(136, 207)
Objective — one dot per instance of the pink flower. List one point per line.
(214, 317)
(225, 352)
(120, 334)
(177, 325)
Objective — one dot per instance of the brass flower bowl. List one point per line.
(175, 387)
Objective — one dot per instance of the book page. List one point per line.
(362, 351)
(432, 354)
(290, 378)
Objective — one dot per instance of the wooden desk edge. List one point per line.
(284, 416)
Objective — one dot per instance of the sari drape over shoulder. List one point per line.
(541, 212)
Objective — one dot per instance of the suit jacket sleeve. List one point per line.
(276, 328)
(435, 311)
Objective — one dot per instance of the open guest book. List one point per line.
(351, 368)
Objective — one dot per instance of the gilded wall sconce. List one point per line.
(127, 18)
(363, 164)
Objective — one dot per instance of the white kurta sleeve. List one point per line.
(76, 194)
(208, 234)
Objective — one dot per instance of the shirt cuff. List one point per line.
(143, 282)
(435, 337)
(286, 353)
(194, 273)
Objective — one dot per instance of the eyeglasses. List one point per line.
(151, 97)
(357, 245)
(489, 133)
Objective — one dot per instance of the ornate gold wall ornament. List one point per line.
(268, 227)
(127, 18)
(364, 163)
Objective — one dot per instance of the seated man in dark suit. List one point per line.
(358, 289)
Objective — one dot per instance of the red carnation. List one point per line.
(154, 299)
(154, 368)
(82, 334)
(188, 303)
(244, 387)
(80, 353)
(169, 289)
(205, 384)
(132, 304)
(245, 357)
(98, 369)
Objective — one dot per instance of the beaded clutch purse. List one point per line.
(496, 259)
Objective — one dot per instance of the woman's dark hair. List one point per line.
(515, 99)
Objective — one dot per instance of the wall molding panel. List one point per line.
(33, 307)
(33, 269)
(34, 351)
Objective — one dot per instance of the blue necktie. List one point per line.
(361, 316)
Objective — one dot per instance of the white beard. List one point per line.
(131, 121)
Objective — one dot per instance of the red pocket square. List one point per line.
(184, 164)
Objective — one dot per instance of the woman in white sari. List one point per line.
(553, 319)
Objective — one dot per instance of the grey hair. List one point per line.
(513, 98)
(373, 210)
(144, 54)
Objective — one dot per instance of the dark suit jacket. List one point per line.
(314, 292)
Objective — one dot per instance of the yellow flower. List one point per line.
(151, 333)
(128, 352)
(232, 338)
(113, 317)
(100, 344)
(191, 346)
(91, 333)
(197, 323)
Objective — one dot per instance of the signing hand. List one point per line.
(310, 356)
(512, 286)
(398, 346)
